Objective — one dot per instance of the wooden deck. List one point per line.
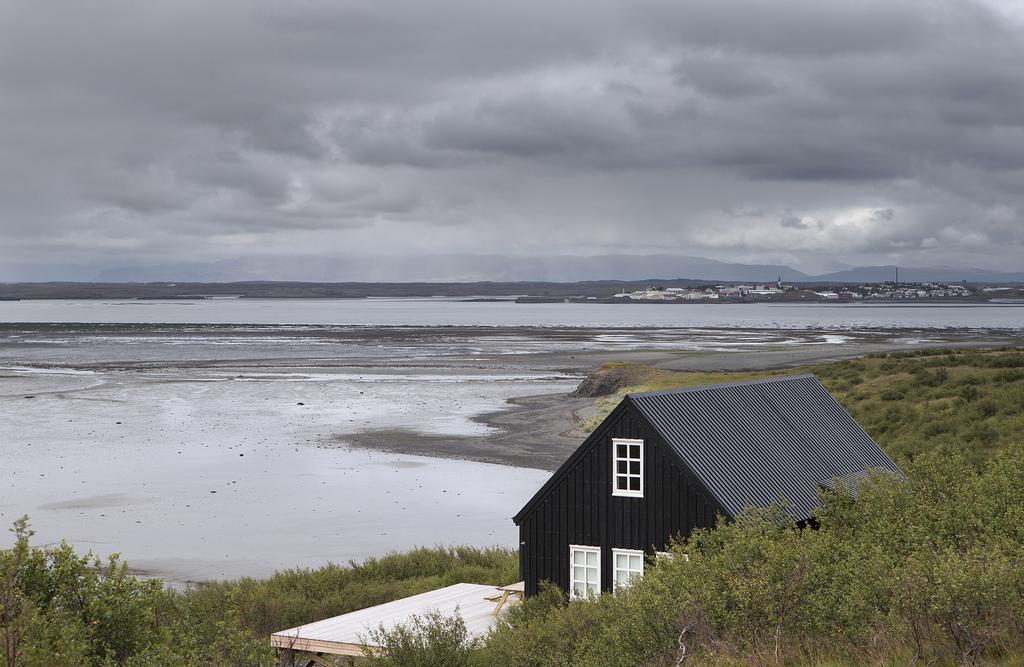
(347, 634)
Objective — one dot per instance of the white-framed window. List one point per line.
(628, 564)
(628, 468)
(584, 570)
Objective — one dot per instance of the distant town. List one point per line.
(780, 291)
(676, 290)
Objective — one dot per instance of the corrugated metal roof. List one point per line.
(754, 443)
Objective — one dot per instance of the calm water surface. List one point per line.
(443, 312)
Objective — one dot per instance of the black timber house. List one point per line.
(664, 463)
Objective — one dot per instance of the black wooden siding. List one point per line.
(579, 507)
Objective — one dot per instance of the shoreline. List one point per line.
(579, 349)
(542, 430)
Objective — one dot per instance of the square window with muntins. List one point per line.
(628, 468)
(628, 565)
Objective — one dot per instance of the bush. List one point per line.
(931, 378)
(969, 393)
(1013, 375)
(986, 408)
(57, 608)
(55, 603)
(893, 395)
(430, 640)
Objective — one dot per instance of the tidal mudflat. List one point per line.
(199, 474)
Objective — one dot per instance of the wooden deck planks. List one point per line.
(345, 634)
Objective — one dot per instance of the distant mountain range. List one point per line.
(504, 268)
(943, 274)
(456, 268)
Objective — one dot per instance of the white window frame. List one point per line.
(627, 553)
(585, 549)
(616, 475)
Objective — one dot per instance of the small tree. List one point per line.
(15, 609)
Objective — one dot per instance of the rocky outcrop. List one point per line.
(610, 378)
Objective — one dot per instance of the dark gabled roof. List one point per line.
(751, 444)
(754, 443)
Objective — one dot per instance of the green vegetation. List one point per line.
(969, 400)
(972, 401)
(431, 640)
(58, 608)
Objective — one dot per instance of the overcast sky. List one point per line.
(811, 133)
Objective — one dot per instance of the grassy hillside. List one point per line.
(908, 402)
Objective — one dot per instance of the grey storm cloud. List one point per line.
(870, 132)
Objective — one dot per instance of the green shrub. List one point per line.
(430, 640)
(986, 408)
(893, 395)
(58, 608)
(56, 602)
(1013, 375)
(931, 378)
(969, 393)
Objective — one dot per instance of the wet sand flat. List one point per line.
(199, 474)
